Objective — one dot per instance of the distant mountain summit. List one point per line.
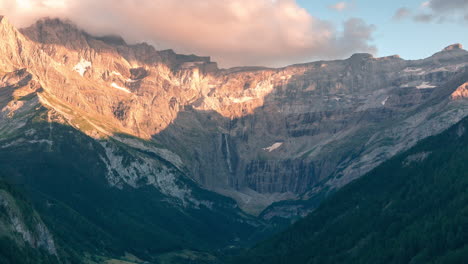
(456, 46)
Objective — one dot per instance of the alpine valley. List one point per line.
(119, 153)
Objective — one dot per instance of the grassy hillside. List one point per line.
(411, 209)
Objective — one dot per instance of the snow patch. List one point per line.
(242, 99)
(385, 101)
(425, 85)
(409, 69)
(416, 71)
(82, 66)
(273, 147)
(120, 87)
(116, 73)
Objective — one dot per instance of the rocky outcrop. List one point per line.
(254, 132)
(18, 219)
(456, 46)
(461, 92)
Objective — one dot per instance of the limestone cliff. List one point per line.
(258, 135)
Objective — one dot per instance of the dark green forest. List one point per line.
(411, 209)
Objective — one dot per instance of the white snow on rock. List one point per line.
(410, 69)
(385, 101)
(273, 147)
(242, 99)
(426, 85)
(82, 66)
(416, 71)
(120, 87)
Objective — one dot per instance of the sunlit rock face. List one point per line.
(259, 135)
(461, 92)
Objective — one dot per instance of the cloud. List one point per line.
(448, 6)
(402, 13)
(425, 4)
(425, 18)
(340, 6)
(233, 32)
(448, 10)
(442, 11)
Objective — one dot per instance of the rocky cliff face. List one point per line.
(258, 135)
(461, 92)
(22, 227)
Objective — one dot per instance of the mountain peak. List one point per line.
(56, 31)
(361, 56)
(57, 22)
(451, 52)
(4, 22)
(55, 25)
(456, 46)
(391, 57)
(11, 43)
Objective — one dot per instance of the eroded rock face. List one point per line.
(461, 92)
(261, 133)
(16, 221)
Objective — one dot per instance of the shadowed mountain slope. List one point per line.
(411, 209)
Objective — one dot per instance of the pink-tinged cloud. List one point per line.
(340, 6)
(425, 4)
(440, 11)
(233, 32)
(402, 13)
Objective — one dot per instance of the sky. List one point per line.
(404, 36)
(264, 32)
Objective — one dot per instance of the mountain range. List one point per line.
(113, 149)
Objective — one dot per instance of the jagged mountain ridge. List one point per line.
(258, 135)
